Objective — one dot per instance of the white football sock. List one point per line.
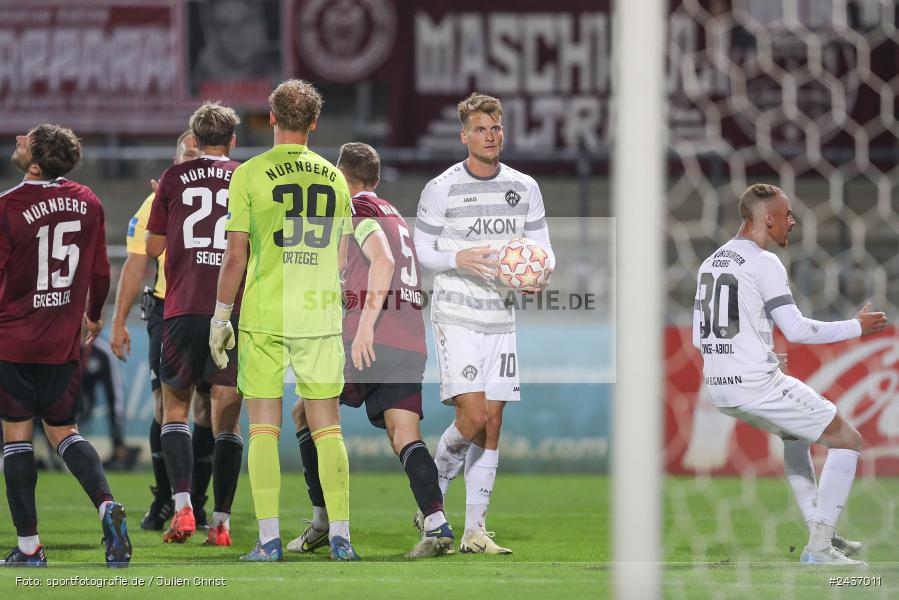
(800, 474)
(341, 528)
(434, 520)
(269, 529)
(320, 518)
(836, 482)
(29, 543)
(450, 456)
(182, 499)
(102, 509)
(221, 518)
(480, 474)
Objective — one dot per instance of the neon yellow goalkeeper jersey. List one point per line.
(295, 205)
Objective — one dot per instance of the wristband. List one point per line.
(222, 311)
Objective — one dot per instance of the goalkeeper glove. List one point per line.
(221, 334)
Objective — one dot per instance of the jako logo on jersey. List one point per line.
(469, 372)
(471, 199)
(486, 226)
(512, 197)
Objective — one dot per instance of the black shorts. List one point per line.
(51, 392)
(186, 360)
(393, 381)
(154, 330)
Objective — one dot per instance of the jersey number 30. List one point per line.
(710, 291)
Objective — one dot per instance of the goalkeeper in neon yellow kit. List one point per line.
(289, 226)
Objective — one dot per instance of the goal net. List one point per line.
(801, 94)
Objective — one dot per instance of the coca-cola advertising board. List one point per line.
(861, 376)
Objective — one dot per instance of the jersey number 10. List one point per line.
(710, 305)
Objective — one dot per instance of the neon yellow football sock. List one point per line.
(333, 471)
(264, 466)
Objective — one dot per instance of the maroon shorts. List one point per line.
(392, 381)
(51, 392)
(186, 360)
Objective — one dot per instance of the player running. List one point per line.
(742, 292)
(383, 332)
(188, 219)
(464, 216)
(53, 263)
(152, 309)
(293, 207)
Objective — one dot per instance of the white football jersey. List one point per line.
(737, 288)
(464, 211)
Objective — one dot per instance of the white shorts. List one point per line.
(470, 361)
(790, 410)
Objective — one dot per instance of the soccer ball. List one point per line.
(522, 263)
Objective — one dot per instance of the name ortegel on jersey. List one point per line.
(300, 166)
(300, 257)
(205, 173)
(53, 205)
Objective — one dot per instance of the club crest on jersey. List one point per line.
(469, 372)
(512, 197)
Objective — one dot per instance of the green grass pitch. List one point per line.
(725, 538)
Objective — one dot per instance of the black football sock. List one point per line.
(178, 454)
(309, 457)
(422, 474)
(226, 461)
(163, 487)
(203, 443)
(84, 463)
(20, 474)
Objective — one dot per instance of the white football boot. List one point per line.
(481, 542)
(309, 540)
(828, 556)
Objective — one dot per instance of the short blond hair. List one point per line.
(296, 104)
(488, 105)
(213, 124)
(755, 194)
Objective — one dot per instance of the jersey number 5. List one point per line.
(710, 304)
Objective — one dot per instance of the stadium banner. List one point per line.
(552, 70)
(561, 424)
(133, 67)
(106, 66)
(860, 376)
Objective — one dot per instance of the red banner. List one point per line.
(93, 66)
(860, 376)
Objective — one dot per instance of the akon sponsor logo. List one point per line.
(484, 226)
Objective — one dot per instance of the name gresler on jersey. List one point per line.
(52, 205)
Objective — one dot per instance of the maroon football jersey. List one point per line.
(52, 253)
(401, 324)
(191, 210)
